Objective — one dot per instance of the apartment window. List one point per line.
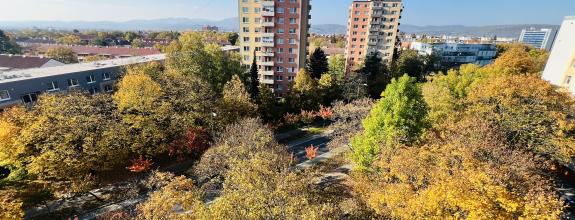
(292, 21)
(246, 39)
(280, 20)
(292, 30)
(4, 95)
(53, 86)
(30, 98)
(280, 59)
(568, 80)
(292, 1)
(258, 20)
(279, 78)
(108, 88)
(291, 51)
(292, 10)
(279, 69)
(291, 78)
(246, 20)
(257, 10)
(245, 10)
(280, 50)
(280, 41)
(93, 91)
(291, 60)
(291, 41)
(90, 79)
(246, 29)
(106, 76)
(73, 82)
(280, 10)
(280, 30)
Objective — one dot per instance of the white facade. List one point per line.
(560, 69)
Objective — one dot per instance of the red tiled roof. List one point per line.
(22, 62)
(110, 51)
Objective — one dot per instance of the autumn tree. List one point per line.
(84, 136)
(530, 112)
(142, 110)
(69, 39)
(179, 199)
(304, 94)
(62, 54)
(236, 102)
(317, 64)
(399, 117)
(516, 60)
(7, 45)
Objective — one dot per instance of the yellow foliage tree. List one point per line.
(236, 102)
(137, 92)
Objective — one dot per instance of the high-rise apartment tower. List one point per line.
(275, 32)
(372, 28)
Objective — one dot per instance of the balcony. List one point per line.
(268, 13)
(269, 35)
(267, 63)
(268, 81)
(268, 3)
(267, 54)
(268, 73)
(268, 24)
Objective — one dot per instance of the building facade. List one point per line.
(14, 62)
(24, 86)
(372, 28)
(541, 39)
(456, 54)
(560, 68)
(275, 33)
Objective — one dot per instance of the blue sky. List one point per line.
(418, 12)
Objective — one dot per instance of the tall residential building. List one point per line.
(276, 32)
(541, 39)
(560, 69)
(372, 27)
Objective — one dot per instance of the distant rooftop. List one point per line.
(97, 50)
(17, 75)
(22, 62)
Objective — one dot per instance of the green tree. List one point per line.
(267, 104)
(233, 38)
(62, 54)
(399, 117)
(190, 56)
(377, 75)
(337, 66)
(317, 64)
(412, 64)
(7, 45)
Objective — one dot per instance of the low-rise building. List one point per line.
(456, 54)
(210, 28)
(14, 62)
(24, 86)
(560, 69)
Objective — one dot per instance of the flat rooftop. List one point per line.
(18, 75)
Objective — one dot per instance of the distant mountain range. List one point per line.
(175, 24)
(456, 30)
(231, 24)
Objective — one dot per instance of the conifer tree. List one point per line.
(317, 64)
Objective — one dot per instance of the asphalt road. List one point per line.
(297, 147)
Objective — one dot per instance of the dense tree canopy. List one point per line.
(62, 54)
(317, 64)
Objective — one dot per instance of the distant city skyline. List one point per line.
(418, 12)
